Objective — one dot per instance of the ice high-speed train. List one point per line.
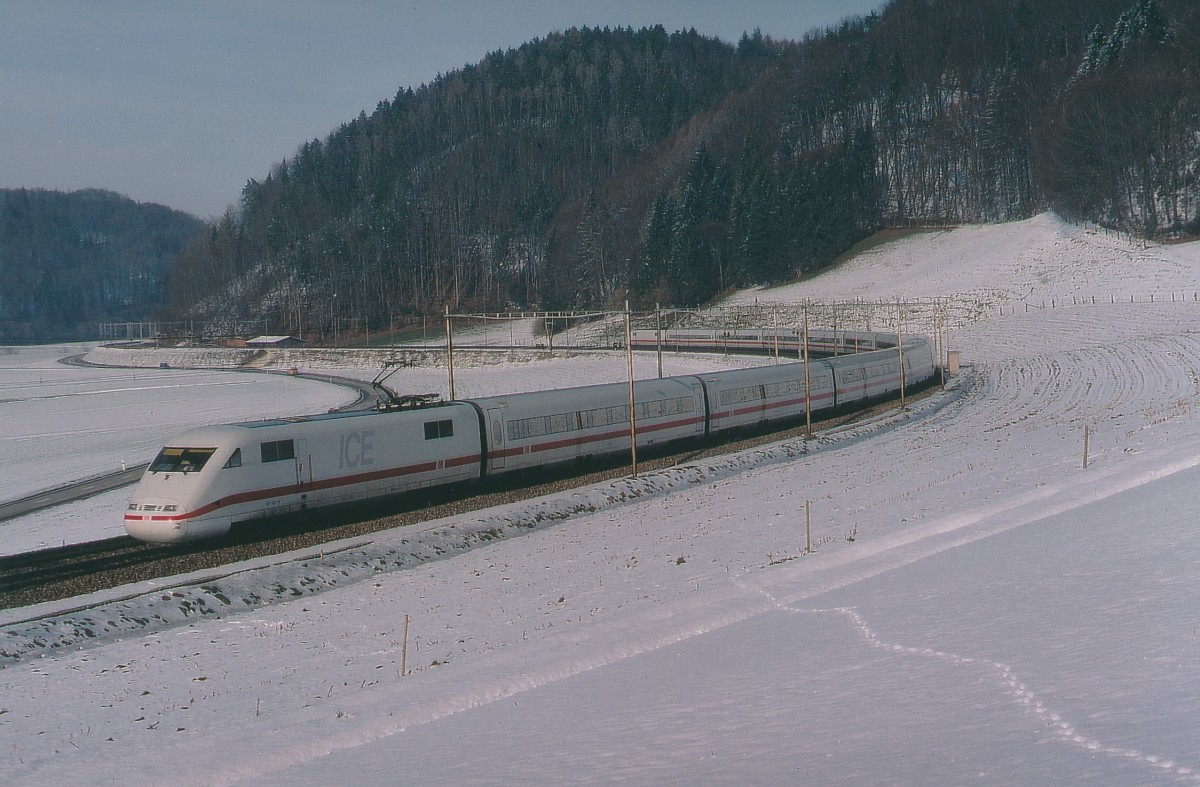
(208, 479)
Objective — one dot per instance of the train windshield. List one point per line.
(181, 460)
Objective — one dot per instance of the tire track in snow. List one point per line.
(1021, 693)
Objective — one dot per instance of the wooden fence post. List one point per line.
(404, 650)
(807, 526)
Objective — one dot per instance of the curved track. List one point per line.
(366, 392)
(62, 572)
(83, 489)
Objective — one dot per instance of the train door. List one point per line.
(495, 422)
(303, 466)
(704, 407)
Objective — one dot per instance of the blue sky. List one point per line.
(180, 102)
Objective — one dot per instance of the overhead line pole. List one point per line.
(775, 321)
(658, 336)
(450, 351)
(807, 397)
(900, 351)
(632, 399)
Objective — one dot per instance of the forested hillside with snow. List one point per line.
(69, 261)
(598, 165)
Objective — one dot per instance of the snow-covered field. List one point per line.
(62, 423)
(979, 607)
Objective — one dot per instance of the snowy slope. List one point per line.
(978, 608)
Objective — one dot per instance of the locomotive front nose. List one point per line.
(160, 521)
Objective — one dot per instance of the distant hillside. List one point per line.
(595, 166)
(71, 261)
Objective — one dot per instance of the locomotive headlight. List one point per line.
(156, 520)
(153, 507)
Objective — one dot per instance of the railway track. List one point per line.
(74, 570)
(81, 490)
(31, 570)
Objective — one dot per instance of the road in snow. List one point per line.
(979, 607)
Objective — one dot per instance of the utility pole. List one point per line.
(450, 351)
(807, 397)
(632, 399)
(658, 336)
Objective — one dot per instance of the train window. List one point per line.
(679, 405)
(438, 429)
(181, 460)
(784, 388)
(235, 459)
(590, 419)
(278, 451)
(880, 370)
(749, 393)
(539, 425)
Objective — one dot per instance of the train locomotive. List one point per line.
(205, 480)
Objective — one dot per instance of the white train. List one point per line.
(763, 341)
(208, 479)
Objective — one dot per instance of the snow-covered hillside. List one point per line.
(979, 607)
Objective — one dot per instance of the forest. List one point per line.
(69, 261)
(598, 166)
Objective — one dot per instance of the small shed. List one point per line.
(274, 342)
